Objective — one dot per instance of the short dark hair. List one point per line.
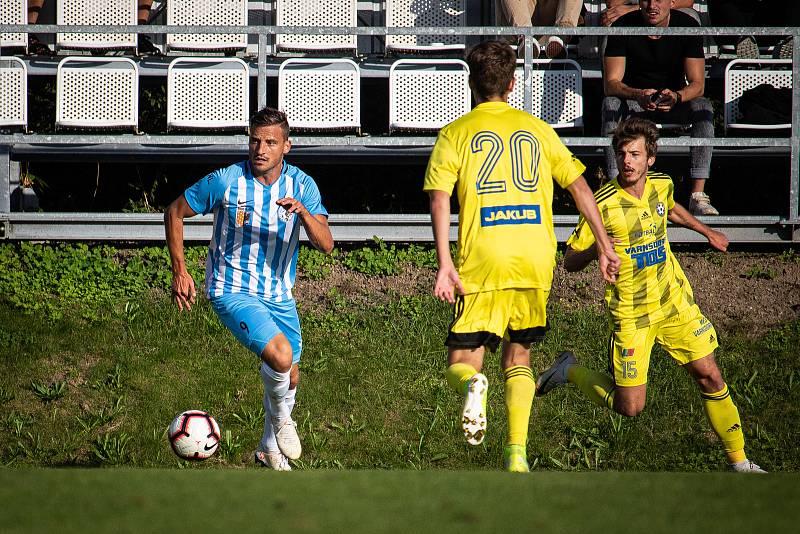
(491, 68)
(270, 117)
(633, 128)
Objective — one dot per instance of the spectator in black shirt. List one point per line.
(660, 78)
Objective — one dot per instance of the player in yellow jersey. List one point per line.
(503, 163)
(652, 300)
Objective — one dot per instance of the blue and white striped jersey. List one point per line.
(254, 246)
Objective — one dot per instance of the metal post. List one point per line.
(5, 179)
(794, 166)
(262, 70)
(527, 77)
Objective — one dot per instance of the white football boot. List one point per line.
(287, 438)
(273, 460)
(473, 415)
(745, 466)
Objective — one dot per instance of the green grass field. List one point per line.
(169, 500)
(96, 363)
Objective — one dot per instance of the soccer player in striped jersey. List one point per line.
(259, 206)
(652, 300)
(503, 164)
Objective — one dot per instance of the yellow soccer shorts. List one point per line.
(486, 318)
(686, 336)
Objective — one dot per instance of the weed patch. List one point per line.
(759, 272)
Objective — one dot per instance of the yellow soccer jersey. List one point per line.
(502, 163)
(651, 285)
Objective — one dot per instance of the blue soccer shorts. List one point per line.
(255, 321)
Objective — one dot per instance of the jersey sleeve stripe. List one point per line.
(605, 196)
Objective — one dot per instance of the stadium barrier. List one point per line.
(21, 226)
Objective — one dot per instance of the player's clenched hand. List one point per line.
(292, 205)
(447, 281)
(183, 291)
(609, 265)
(718, 240)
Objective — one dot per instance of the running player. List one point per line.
(502, 163)
(258, 206)
(652, 300)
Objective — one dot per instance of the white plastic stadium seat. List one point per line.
(425, 13)
(91, 12)
(320, 94)
(208, 93)
(97, 93)
(322, 13)
(14, 88)
(14, 12)
(426, 94)
(744, 74)
(556, 92)
(207, 13)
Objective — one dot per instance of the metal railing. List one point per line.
(12, 226)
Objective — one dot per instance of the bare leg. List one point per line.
(143, 11)
(34, 7)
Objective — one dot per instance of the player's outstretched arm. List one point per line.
(183, 290)
(607, 257)
(447, 280)
(681, 216)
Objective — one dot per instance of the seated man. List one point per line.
(616, 8)
(527, 13)
(660, 78)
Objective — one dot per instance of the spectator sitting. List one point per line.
(35, 46)
(527, 13)
(750, 13)
(647, 76)
(617, 8)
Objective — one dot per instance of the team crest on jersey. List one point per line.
(660, 209)
(242, 216)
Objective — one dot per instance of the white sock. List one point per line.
(289, 399)
(268, 442)
(276, 386)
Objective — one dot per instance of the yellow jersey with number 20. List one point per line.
(502, 163)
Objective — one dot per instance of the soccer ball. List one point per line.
(194, 435)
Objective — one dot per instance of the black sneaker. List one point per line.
(146, 47)
(38, 48)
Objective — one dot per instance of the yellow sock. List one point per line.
(458, 375)
(520, 388)
(599, 388)
(725, 421)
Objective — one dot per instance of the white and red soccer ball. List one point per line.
(194, 435)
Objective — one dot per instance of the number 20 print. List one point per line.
(521, 144)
